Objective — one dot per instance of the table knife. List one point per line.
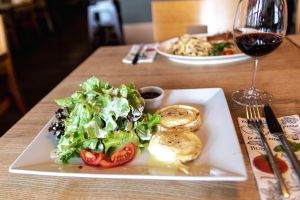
(276, 130)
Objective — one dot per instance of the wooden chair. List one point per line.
(297, 24)
(9, 92)
(172, 18)
(25, 15)
(10, 26)
(103, 20)
(42, 12)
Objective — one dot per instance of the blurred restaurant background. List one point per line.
(42, 41)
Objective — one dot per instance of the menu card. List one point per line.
(264, 176)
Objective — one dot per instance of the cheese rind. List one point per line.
(179, 117)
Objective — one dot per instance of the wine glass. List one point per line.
(259, 28)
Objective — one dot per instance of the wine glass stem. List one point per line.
(252, 88)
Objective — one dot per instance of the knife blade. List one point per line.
(276, 130)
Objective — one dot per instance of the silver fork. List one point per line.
(254, 119)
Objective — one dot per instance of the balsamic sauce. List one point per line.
(150, 95)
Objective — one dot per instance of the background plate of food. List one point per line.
(202, 49)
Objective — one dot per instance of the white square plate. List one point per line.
(220, 160)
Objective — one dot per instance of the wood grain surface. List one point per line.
(278, 73)
(295, 38)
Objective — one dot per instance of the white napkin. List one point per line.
(147, 54)
(266, 181)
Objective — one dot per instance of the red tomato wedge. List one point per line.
(91, 157)
(122, 156)
(228, 52)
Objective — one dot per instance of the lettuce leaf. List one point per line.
(144, 127)
(118, 139)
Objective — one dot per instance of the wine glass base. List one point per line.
(257, 97)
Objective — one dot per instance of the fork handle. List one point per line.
(282, 186)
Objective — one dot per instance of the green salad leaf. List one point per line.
(145, 126)
(117, 139)
(103, 118)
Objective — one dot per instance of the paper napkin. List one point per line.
(264, 178)
(147, 54)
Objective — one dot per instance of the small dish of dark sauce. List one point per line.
(152, 96)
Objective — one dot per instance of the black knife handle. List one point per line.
(135, 59)
(294, 160)
(137, 55)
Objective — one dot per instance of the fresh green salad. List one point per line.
(222, 48)
(103, 118)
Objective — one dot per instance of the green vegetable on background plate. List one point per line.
(103, 118)
(218, 48)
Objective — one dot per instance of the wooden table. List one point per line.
(279, 74)
(295, 39)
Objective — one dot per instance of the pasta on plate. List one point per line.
(188, 45)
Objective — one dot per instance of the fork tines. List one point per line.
(253, 114)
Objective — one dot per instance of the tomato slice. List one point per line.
(92, 158)
(124, 155)
(108, 164)
(227, 52)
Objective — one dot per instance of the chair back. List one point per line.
(40, 3)
(172, 18)
(297, 24)
(3, 40)
(7, 76)
(21, 1)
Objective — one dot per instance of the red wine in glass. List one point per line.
(258, 44)
(259, 28)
